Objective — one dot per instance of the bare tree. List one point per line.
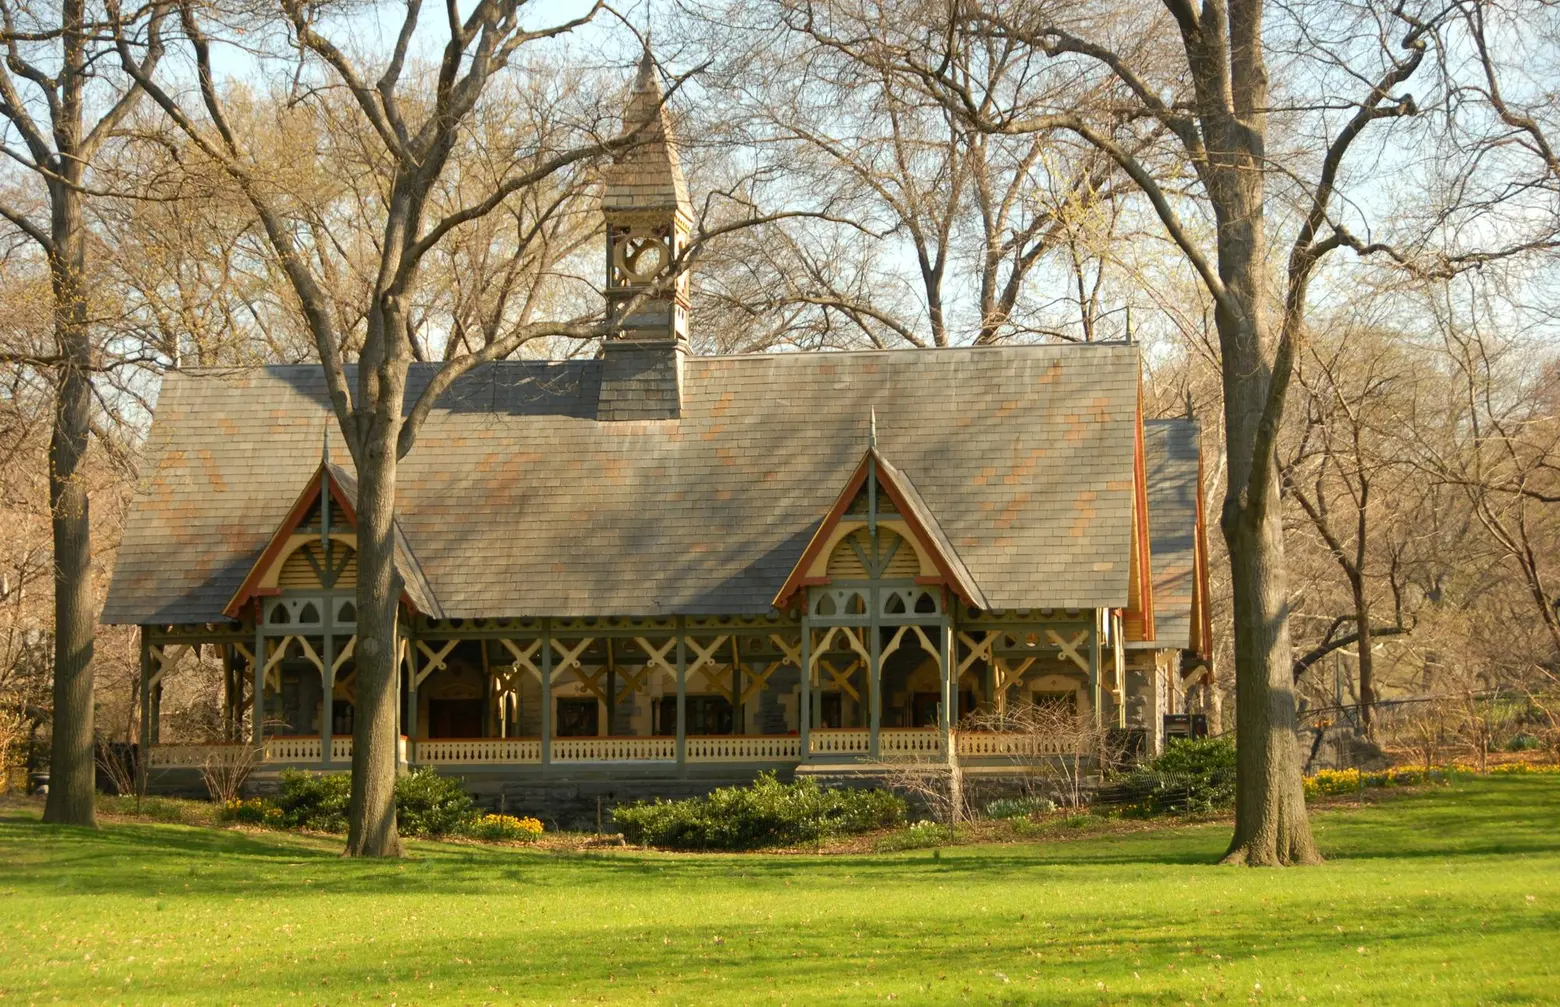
(961, 236)
(1210, 93)
(1349, 476)
(404, 125)
(57, 73)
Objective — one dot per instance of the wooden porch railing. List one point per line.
(918, 741)
(183, 756)
(613, 749)
(990, 744)
(300, 749)
(457, 751)
(839, 741)
(736, 748)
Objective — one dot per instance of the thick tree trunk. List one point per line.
(72, 768)
(371, 815)
(1271, 827)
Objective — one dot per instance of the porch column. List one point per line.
(611, 699)
(804, 701)
(328, 684)
(1118, 646)
(682, 694)
(950, 687)
(142, 763)
(547, 692)
(399, 648)
(411, 691)
(257, 700)
(874, 683)
(1094, 669)
(225, 651)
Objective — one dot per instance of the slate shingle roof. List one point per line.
(517, 501)
(1171, 457)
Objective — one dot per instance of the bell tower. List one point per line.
(648, 218)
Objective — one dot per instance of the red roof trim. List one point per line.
(798, 579)
(278, 541)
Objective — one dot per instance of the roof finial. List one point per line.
(872, 428)
(325, 441)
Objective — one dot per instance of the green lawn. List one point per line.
(1449, 896)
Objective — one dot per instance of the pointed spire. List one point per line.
(325, 441)
(872, 429)
(647, 176)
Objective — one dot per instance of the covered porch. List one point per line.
(669, 692)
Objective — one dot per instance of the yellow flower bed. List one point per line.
(1525, 768)
(493, 827)
(1329, 782)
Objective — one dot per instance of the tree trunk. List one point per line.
(1367, 670)
(1271, 827)
(371, 815)
(72, 768)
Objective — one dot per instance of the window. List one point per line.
(1060, 702)
(923, 709)
(706, 715)
(578, 718)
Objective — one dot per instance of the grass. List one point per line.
(1447, 895)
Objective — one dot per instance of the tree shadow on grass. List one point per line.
(854, 956)
(1478, 821)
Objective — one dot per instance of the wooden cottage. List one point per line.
(655, 570)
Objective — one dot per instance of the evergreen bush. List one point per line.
(768, 813)
(1192, 775)
(315, 801)
(430, 805)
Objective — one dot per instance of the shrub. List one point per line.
(316, 801)
(1019, 807)
(430, 805)
(920, 836)
(1192, 775)
(493, 828)
(768, 813)
(1524, 742)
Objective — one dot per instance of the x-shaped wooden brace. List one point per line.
(592, 680)
(1070, 650)
(704, 662)
(635, 678)
(525, 656)
(569, 659)
(656, 657)
(435, 660)
(978, 650)
(842, 678)
(793, 655)
(755, 680)
(166, 657)
(1005, 674)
